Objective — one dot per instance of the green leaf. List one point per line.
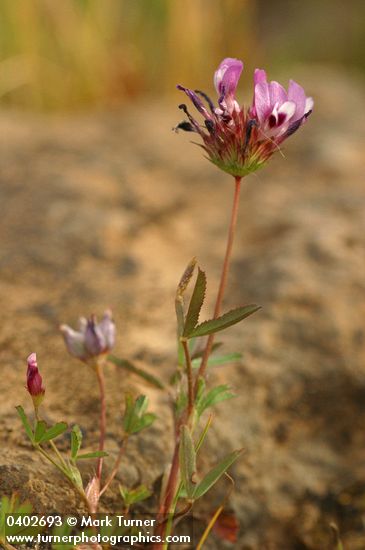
(40, 429)
(218, 360)
(75, 476)
(179, 299)
(95, 454)
(213, 476)
(76, 441)
(187, 459)
(132, 496)
(24, 419)
(227, 320)
(141, 405)
(63, 530)
(135, 419)
(214, 396)
(196, 302)
(127, 365)
(12, 506)
(128, 413)
(146, 421)
(55, 431)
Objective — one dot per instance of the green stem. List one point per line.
(60, 457)
(64, 471)
(50, 459)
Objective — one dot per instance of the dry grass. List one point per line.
(71, 53)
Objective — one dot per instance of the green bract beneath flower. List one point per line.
(238, 140)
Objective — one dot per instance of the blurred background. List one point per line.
(102, 205)
(83, 53)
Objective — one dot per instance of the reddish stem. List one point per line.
(189, 376)
(223, 281)
(116, 465)
(168, 496)
(100, 377)
(174, 471)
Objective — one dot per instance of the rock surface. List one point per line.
(106, 210)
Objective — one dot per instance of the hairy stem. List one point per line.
(100, 377)
(224, 274)
(114, 471)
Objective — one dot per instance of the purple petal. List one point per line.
(196, 101)
(259, 76)
(227, 76)
(94, 338)
(297, 94)
(262, 102)
(75, 341)
(277, 93)
(107, 327)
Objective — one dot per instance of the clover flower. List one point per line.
(92, 339)
(240, 140)
(34, 381)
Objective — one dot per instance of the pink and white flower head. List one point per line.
(92, 339)
(278, 112)
(240, 140)
(34, 381)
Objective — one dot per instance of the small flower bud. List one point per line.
(34, 381)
